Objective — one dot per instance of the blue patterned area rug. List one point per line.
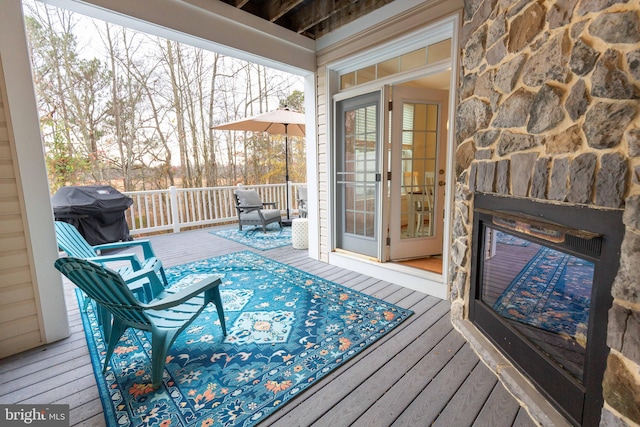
(254, 237)
(286, 330)
(552, 292)
(509, 239)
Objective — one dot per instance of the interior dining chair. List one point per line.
(424, 205)
(165, 317)
(126, 264)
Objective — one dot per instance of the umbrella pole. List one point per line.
(286, 171)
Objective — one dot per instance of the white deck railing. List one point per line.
(176, 208)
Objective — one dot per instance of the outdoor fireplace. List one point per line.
(541, 289)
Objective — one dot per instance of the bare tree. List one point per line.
(131, 117)
(174, 79)
(211, 163)
(124, 117)
(68, 92)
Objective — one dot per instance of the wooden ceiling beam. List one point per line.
(237, 3)
(276, 9)
(347, 14)
(315, 13)
(309, 18)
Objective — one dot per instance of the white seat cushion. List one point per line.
(266, 213)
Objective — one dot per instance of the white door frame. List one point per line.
(423, 281)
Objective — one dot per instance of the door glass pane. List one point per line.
(366, 74)
(348, 80)
(369, 229)
(362, 129)
(439, 51)
(414, 59)
(388, 68)
(419, 148)
(350, 221)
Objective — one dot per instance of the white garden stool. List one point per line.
(300, 233)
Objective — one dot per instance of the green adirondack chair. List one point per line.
(128, 264)
(165, 316)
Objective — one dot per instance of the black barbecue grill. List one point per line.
(97, 211)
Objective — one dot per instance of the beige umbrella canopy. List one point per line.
(278, 122)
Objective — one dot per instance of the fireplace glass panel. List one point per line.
(541, 292)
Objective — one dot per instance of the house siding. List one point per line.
(32, 307)
(19, 319)
(323, 165)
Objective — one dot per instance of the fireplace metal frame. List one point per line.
(581, 403)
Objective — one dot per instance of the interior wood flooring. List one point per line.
(422, 373)
(433, 264)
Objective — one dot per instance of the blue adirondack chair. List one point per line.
(128, 264)
(165, 316)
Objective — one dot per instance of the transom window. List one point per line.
(418, 58)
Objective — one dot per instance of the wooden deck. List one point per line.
(422, 373)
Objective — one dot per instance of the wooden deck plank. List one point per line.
(308, 263)
(81, 384)
(86, 403)
(410, 300)
(500, 409)
(91, 415)
(465, 405)
(319, 271)
(523, 419)
(390, 405)
(17, 366)
(363, 284)
(37, 373)
(389, 290)
(359, 279)
(434, 396)
(393, 380)
(66, 384)
(374, 288)
(341, 276)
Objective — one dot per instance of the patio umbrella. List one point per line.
(278, 122)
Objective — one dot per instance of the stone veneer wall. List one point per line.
(548, 109)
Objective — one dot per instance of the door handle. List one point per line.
(441, 183)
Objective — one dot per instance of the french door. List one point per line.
(416, 146)
(418, 159)
(357, 175)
